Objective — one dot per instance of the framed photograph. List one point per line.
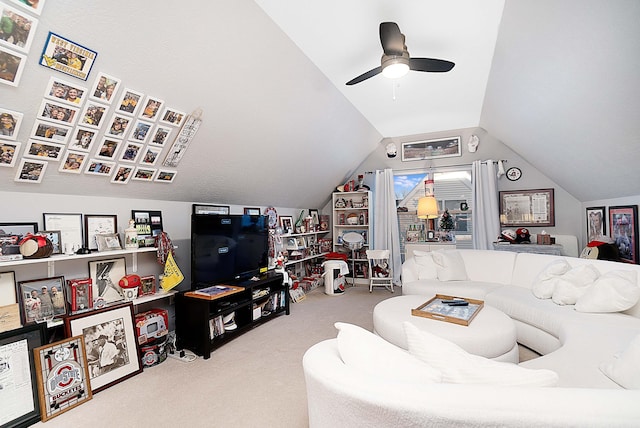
(73, 162)
(31, 171)
(252, 211)
(10, 122)
(19, 382)
(129, 102)
(150, 155)
(596, 223)
(141, 131)
(110, 342)
(623, 226)
(43, 150)
(47, 131)
(70, 227)
(83, 139)
(67, 57)
(95, 224)
(9, 306)
(108, 242)
(65, 92)
(11, 234)
(56, 240)
(9, 153)
(160, 135)
(315, 216)
(108, 148)
(93, 114)
(56, 112)
(42, 299)
(431, 149)
(15, 62)
(63, 376)
(286, 223)
(122, 174)
(131, 152)
(143, 174)
(148, 224)
(172, 117)
(211, 209)
(527, 208)
(118, 126)
(104, 88)
(166, 176)
(99, 167)
(105, 275)
(147, 286)
(23, 25)
(151, 108)
(31, 6)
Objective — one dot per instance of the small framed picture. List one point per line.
(596, 223)
(108, 242)
(99, 167)
(43, 150)
(623, 227)
(286, 223)
(143, 174)
(131, 152)
(15, 66)
(69, 225)
(83, 139)
(122, 174)
(141, 131)
(8, 295)
(57, 112)
(31, 171)
(42, 299)
(314, 216)
(150, 155)
(65, 92)
(252, 211)
(73, 162)
(63, 376)
(151, 108)
(93, 114)
(172, 117)
(95, 224)
(12, 234)
(118, 126)
(47, 131)
(148, 224)
(160, 135)
(23, 28)
(166, 176)
(56, 240)
(104, 88)
(147, 285)
(31, 6)
(108, 148)
(129, 101)
(105, 275)
(9, 153)
(67, 57)
(10, 122)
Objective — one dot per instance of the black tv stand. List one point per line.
(199, 322)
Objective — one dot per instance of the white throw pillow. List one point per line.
(614, 291)
(450, 266)
(369, 354)
(545, 282)
(459, 366)
(624, 369)
(573, 284)
(425, 264)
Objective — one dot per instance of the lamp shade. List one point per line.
(427, 207)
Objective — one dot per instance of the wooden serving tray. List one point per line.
(435, 309)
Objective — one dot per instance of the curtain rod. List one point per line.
(443, 166)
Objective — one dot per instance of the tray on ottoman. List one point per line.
(435, 309)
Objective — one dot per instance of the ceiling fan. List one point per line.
(396, 61)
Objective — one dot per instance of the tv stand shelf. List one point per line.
(198, 320)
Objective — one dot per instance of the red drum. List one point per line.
(35, 247)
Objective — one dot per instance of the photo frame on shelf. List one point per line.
(9, 306)
(43, 299)
(148, 286)
(105, 275)
(70, 227)
(148, 225)
(65, 92)
(56, 240)
(62, 375)
(110, 327)
(47, 131)
(286, 223)
(22, 391)
(623, 226)
(251, 211)
(31, 170)
(11, 123)
(108, 242)
(527, 208)
(9, 153)
(431, 149)
(596, 223)
(98, 223)
(314, 216)
(11, 234)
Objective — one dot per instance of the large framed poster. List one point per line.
(527, 208)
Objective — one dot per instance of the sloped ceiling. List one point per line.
(557, 81)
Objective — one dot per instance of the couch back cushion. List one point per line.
(489, 265)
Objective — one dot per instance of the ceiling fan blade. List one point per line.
(365, 76)
(391, 38)
(430, 64)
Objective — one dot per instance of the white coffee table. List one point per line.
(491, 334)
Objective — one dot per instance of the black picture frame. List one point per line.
(202, 209)
(148, 225)
(251, 211)
(596, 223)
(12, 233)
(95, 224)
(623, 226)
(22, 342)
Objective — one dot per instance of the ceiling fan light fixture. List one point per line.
(395, 66)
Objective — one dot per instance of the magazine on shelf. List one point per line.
(214, 291)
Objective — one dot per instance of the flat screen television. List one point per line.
(227, 248)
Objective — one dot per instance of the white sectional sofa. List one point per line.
(578, 346)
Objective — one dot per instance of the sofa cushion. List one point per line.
(573, 284)
(624, 368)
(425, 265)
(449, 265)
(371, 355)
(459, 366)
(614, 291)
(431, 287)
(545, 281)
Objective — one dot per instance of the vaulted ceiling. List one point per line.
(556, 81)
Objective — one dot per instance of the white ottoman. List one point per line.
(491, 334)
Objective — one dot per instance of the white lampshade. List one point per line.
(427, 207)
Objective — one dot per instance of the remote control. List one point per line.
(453, 301)
(463, 303)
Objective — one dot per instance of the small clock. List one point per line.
(514, 173)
